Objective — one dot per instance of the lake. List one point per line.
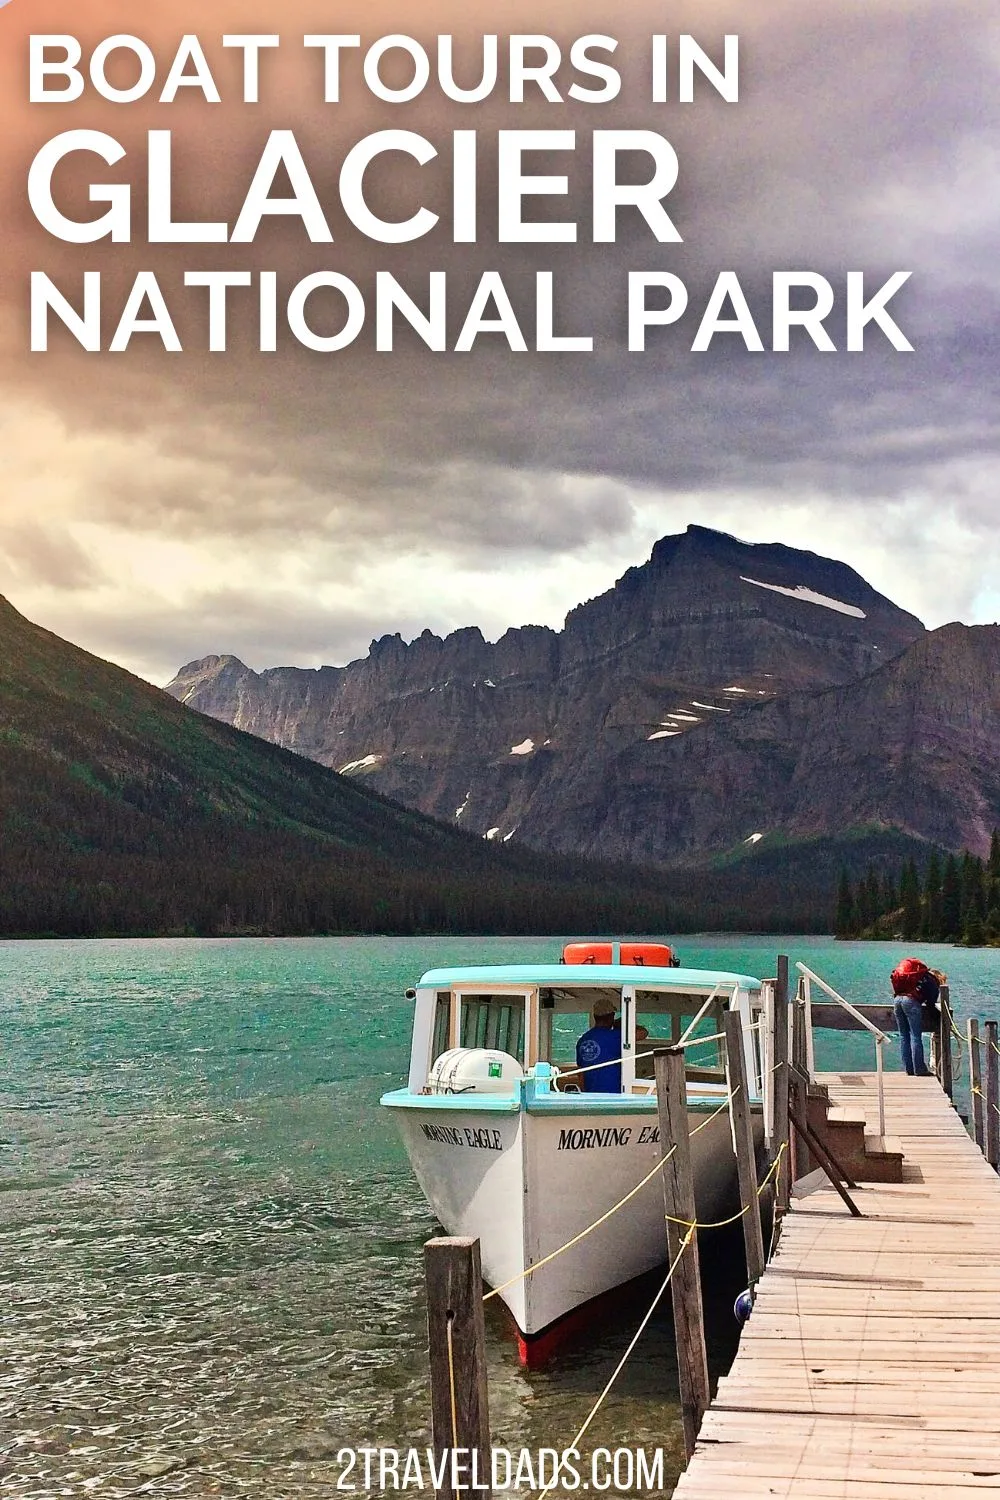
(210, 1238)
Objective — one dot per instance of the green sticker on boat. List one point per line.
(496, 1070)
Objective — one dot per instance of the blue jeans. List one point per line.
(909, 1020)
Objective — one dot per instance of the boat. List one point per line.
(516, 1143)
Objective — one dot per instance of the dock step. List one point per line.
(842, 1114)
(884, 1145)
(864, 1155)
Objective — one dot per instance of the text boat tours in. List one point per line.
(518, 1139)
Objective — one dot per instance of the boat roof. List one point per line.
(571, 976)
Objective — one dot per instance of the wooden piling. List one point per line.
(753, 1236)
(798, 1086)
(976, 1085)
(780, 1082)
(944, 1043)
(456, 1338)
(992, 1099)
(678, 1198)
(800, 1047)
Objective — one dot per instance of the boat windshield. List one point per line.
(495, 1021)
(663, 1017)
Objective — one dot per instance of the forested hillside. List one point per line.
(123, 812)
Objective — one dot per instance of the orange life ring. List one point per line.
(653, 955)
(650, 955)
(588, 953)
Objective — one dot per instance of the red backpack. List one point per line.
(908, 977)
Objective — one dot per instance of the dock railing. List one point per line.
(879, 1036)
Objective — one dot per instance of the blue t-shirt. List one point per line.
(601, 1044)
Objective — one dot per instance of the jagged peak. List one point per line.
(736, 566)
(523, 631)
(383, 645)
(428, 639)
(207, 664)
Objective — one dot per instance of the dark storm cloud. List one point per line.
(864, 139)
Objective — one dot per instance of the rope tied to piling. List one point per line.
(773, 1171)
(986, 1041)
(554, 1254)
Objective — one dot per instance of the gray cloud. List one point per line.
(865, 139)
(37, 555)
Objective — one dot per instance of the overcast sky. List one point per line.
(288, 507)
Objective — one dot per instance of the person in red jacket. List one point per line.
(914, 986)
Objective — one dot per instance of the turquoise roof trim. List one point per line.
(491, 1104)
(581, 1105)
(586, 975)
(576, 1105)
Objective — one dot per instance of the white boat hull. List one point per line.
(524, 1183)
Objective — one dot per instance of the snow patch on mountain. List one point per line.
(360, 765)
(808, 596)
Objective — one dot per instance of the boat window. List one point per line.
(565, 1016)
(442, 1028)
(495, 1021)
(567, 1029)
(665, 1018)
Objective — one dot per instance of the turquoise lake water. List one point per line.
(209, 1235)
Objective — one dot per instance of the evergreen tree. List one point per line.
(845, 918)
(973, 890)
(991, 926)
(931, 925)
(951, 901)
(991, 891)
(890, 896)
(909, 899)
(974, 932)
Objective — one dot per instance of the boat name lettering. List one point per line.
(585, 1140)
(452, 1135)
(649, 1135)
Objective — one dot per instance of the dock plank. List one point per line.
(870, 1368)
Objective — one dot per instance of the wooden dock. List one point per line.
(870, 1368)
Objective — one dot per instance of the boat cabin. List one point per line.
(538, 1013)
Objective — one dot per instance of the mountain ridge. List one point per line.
(539, 736)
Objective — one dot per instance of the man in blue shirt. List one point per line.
(601, 1044)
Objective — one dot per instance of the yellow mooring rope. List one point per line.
(625, 1357)
(451, 1380)
(724, 1223)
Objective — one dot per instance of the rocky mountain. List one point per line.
(910, 749)
(656, 726)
